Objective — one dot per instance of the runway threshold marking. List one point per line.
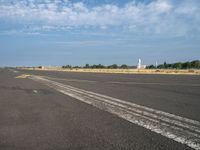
(180, 129)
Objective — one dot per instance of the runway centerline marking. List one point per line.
(180, 129)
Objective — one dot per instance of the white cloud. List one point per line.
(161, 6)
(160, 16)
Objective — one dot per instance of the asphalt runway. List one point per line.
(34, 114)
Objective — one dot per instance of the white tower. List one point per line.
(139, 64)
(156, 64)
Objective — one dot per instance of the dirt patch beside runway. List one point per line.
(125, 71)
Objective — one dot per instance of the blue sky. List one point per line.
(59, 32)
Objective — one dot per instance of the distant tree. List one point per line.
(100, 66)
(124, 66)
(195, 64)
(186, 65)
(169, 66)
(165, 65)
(161, 66)
(93, 66)
(87, 66)
(77, 67)
(114, 66)
(67, 66)
(177, 65)
(151, 67)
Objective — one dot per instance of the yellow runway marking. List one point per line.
(23, 76)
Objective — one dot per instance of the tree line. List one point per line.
(178, 65)
(99, 66)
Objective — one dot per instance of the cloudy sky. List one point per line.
(76, 32)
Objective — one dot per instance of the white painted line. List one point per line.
(180, 129)
(14, 71)
(70, 80)
(135, 105)
(35, 91)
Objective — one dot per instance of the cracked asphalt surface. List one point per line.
(36, 117)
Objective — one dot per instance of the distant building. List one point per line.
(139, 65)
(41, 67)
